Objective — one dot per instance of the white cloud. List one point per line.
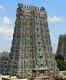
(1, 7)
(6, 31)
(55, 19)
(54, 42)
(5, 28)
(6, 20)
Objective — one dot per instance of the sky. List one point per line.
(56, 12)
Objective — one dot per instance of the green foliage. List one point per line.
(60, 57)
(60, 62)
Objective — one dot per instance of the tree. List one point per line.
(60, 62)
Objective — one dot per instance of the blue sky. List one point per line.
(56, 12)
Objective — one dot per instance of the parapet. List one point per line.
(31, 10)
(20, 5)
(42, 9)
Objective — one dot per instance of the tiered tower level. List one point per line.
(31, 52)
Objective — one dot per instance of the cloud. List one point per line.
(6, 20)
(1, 7)
(6, 28)
(6, 31)
(54, 42)
(55, 19)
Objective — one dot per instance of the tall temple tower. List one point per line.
(61, 50)
(31, 51)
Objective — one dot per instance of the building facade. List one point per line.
(31, 50)
(61, 50)
(4, 57)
